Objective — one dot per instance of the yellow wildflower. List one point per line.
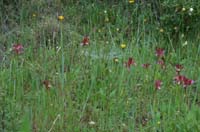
(161, 30)
(123, 46)
(183, 9)
(116, 60)
(34, 15)
(61, 18)
(131, 1)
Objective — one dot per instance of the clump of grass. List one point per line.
(47, 33)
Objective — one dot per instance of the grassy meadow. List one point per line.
(99, 66)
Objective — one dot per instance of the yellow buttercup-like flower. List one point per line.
(123, 46)
(183, 9)
(131, 1)
(61, 18)
(116, 60)
(161, 30)
(34, 15)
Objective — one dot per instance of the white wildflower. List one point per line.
(183, 9)
(191, 9)
(184, 44)
(92, 123)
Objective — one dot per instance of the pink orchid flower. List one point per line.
(18, 48)
(158, 84)
(160, 52)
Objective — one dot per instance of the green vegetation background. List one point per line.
(89, 91)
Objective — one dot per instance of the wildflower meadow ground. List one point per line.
(99, 66)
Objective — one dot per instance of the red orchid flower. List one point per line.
(182, 80)
(85, 41)
(187, 82)
(179, 79)
(130, 62)
(160, 52)
(178, 68)
(158, 84)
(146, 65)
(47, 84)
(18, 48)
